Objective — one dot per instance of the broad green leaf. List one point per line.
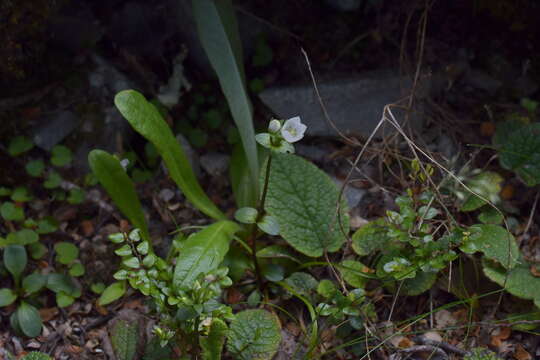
(112, 293)
(47, 225)
(370, 237)
(218, 32)
(66, 252)
(21, 194)
(34, 355)
(273, 272)
(34, 282)
(11, 212)
(29, 319)
(518, 281)
(352, 273)
(77, 269)
(76, 196)
(146, 120)
(19, 145)
(35, 168)
(520, 152)
(61, 283)
(53, 180)
(303, 199)
(246, 215)
(495, 242)
(154, 351)
(212, 345)
(15, 260)
(64, 300)
(203, 252)
(423, 281)
(37, 250)
(327, 289)
(61, 155)
(489, 215)
(124, 339)
(302, 283)
(7, 297)
(277, 251)
(22, 237)
(254, 335)
(119, 186)
(486, 184)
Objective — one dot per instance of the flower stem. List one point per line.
(260, 211)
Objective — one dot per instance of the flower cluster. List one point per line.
(281, 134)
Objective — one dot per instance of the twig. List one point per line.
(441, 344)
(425, 348)
(531, 215)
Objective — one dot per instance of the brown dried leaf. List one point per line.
(87, 227)
(521, 353)
(499, 335)
(47, 314)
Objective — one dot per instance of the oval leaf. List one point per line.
(112, 293)
(147, 121)
(29, 320)
(254, 334)
(119, 186)
(370, 237)
(15, 259)
(7, 297)
(203, 252)
(495, 242)
(303, 199)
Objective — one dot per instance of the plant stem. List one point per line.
(260, 212)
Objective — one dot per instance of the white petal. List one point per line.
(274, 126)
(293, 130)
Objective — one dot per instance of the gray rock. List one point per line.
(310, 152)
(215, 164)
(166, 194)
(352, 194)
(355, 106)
(344, 5)
(55, 129)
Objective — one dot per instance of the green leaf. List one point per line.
(273, 272)
(61, 283)
(327, 289)
(154, 350)
(119, 186)
(277, 251)
(423, 281)
(212, 345)
(19, 145)
(351, 271)
(370, 237)
(518, 281)
(37, 250)
(304, 199)
(268, 224)
(112, 293)
(520, 152)
(246, 215)
(4, 191)
(203, 252)
(35, 355)
(76, 196)
(218, 32)
(29, 319)
(254, 335)
(489, 215)
(11, 212)
(495, 242)
(22, 237)
(66, 252)
(34, 283)
(97, 288)
(64, 300)
(53, 180)
(124, 339)
(146, 120)
(35, 168)
(47, 225)
(77, 269)
(486, 184)
(131, 262)
(21, 194)
(302, 283)
(7, 297)
(15, 260)
(61, 156)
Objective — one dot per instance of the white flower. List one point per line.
(293, 130)
(124, 163)
(274, 126)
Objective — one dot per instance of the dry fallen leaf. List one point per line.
(234, 296)
(521, 353)
(87, 227)
(507, 192)
(499, 335)
(47, 314)
(487, 129)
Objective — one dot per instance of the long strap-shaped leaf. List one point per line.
(218, 32)
(146, 120)
(120, 188)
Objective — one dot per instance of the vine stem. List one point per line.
(260, 211)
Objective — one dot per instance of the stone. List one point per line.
(310, 152)
(352, 194)
(55, 129)
(355, 105)
(215, 164)
(166, 194)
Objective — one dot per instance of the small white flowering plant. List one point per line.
(282, 134)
